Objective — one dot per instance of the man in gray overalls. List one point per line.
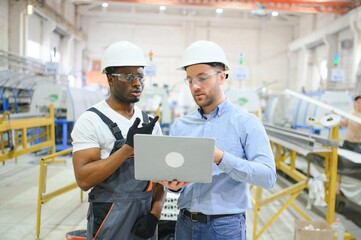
(120, 207)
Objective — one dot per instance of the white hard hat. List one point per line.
(123, 53)
(203, 52)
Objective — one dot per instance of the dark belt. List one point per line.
(200, 217)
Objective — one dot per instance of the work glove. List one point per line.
(145, 226)
(134, 129)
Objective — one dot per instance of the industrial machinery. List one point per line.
(16, 90)
(246, 99)
(27, 90)
(69, 103)
(301, 113)
(290, 111)
(155, 101)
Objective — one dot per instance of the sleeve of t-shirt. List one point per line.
(84, 133)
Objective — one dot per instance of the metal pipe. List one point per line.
(324, 105)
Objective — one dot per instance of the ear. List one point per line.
(222, 78)
(110, 80)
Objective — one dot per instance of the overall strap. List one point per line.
(145, 118)
(112, 125)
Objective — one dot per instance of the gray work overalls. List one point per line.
(117, 202)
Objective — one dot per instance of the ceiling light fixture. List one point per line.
(105, 5)
(30, 9)
(219, 10)
(162, 8)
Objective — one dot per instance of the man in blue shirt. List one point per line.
(242, 155)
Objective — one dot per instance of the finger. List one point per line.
(151, 124)
(164, 183)
(136, 123)
(185, 184)
(145, 124)
(154, 120)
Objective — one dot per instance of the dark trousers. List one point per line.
(356, 147)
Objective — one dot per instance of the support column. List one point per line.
(4, 18)
(17, 27)
(79, 70)
(356, 58)
(66, 49)
(331, 45)
(300, 78)
(47, 29)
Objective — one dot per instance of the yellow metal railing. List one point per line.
(281, 154)
(16, 139)
(43, 196)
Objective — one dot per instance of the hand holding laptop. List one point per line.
(173, 185)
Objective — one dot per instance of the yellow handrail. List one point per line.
(331, 158)
(44, 197)
(14, 135)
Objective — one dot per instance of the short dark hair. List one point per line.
(212, 64)
(111, 70)
(357, 98)
(217, 65)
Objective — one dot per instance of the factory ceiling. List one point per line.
(260, 7)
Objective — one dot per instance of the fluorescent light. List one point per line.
(30, 9)
(275, 14)
(219, 10)
(105, 4)
(162, 8)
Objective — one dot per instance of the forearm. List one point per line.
(91, 173)
(260, 172)
(343, 122)
(159, 196)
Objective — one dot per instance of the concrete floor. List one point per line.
(18, 205)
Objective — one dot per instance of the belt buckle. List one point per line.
(193, 220)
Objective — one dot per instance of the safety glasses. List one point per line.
(201, 78)
(128, 77)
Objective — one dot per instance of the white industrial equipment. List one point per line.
(294, 109)
(246, 99)
(155, 101)
(68, 102)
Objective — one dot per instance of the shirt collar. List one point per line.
(218, 111)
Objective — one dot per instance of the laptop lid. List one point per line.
(168, 158)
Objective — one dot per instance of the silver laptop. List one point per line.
(168, 158)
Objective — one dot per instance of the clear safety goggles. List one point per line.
(201, 78)
(128, 77)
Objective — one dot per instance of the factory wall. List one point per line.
(319, 38)
(262, 43)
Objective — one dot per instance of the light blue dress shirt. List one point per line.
(248, 159)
